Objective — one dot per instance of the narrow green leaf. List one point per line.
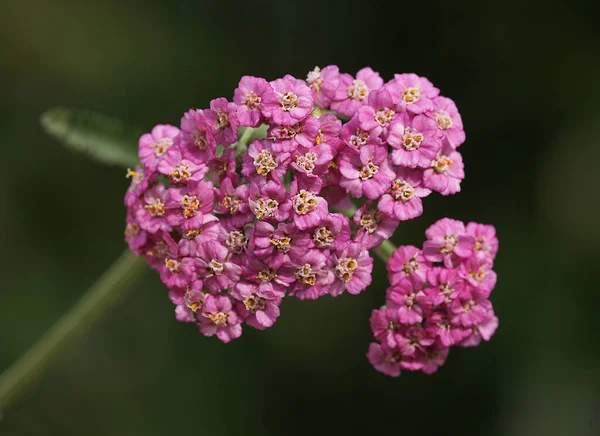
(104, 139)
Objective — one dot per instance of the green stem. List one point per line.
(103, 294)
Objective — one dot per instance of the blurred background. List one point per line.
(524, 76)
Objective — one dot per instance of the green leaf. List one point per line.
(104, 139)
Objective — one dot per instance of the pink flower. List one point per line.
(385, 324)
(367, 173)
(374, 227)
(135, 237)
(197, 141)
(261, 163)
(312, 276)
(324, 84)
(248, 96)
(267, 275)
(377, 116)
(151, 215)
(288, 138)
(332, 233)
(273, 245)
(405, 298)
(486, 243)
(139, 183)
(189, 203)
(403, 200)
(449, 121)
(438, 325)
(443, 285)
(213, 267)
(407, 262)
(445, 173)
(308, 209)
(172, 273)
(218, 318)
(258, 309)
(153, 146)
(353, 93)
(352, 268)
(196, 233)
(448, 241)
(289, 102)
(233, 202)
(355, 137)
(180, 170)
(224, 167)
(412, 93)
(312, 162)
(269, 201)
(385, 359)
(434, 358)
(415, 141)
(417, 341)
(469, 309)
(222, 117)
(479, 274)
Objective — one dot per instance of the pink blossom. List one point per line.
(385, 359)
(197, 141)
(355, 137)
(135, 237)
(403, 200)
(289, 102)
(273, 245)
(248, 96)
(333, 232)
(405, 298)
(233, 202)
(267, 275)
(415, 141)
(139, 183)
(448, 241)
(412, 93)
(196, 232)
(385, 324)
(374, 227)
(444, 284)
(289, 138)
(367, 173)
(438, 325)
(269, 201)
(212, 266)
(352, 268)
(218, 318)
(308, 209)
(449, 121)
(189, 203)
(324, 84)
(469, 309)
(354, 93)
(262, 163)
(222, 117)
(258, 309)
(377, 116)
(151, 215)
(407, 262)
(445, 173)
(479, 274)
(180, 170)
(486, 243)
(431, 360)
(312, 275)
(153, 146)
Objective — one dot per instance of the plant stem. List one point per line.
(107, 289)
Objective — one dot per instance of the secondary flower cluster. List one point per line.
(438, 297)
(235, 207)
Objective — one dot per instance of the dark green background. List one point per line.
(524, 76)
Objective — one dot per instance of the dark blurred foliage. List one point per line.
(524, 76)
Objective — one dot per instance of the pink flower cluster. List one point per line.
(438, 297)
(235, 208)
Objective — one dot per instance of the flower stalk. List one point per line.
(102, 295)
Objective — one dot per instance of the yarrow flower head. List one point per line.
(250, 201)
